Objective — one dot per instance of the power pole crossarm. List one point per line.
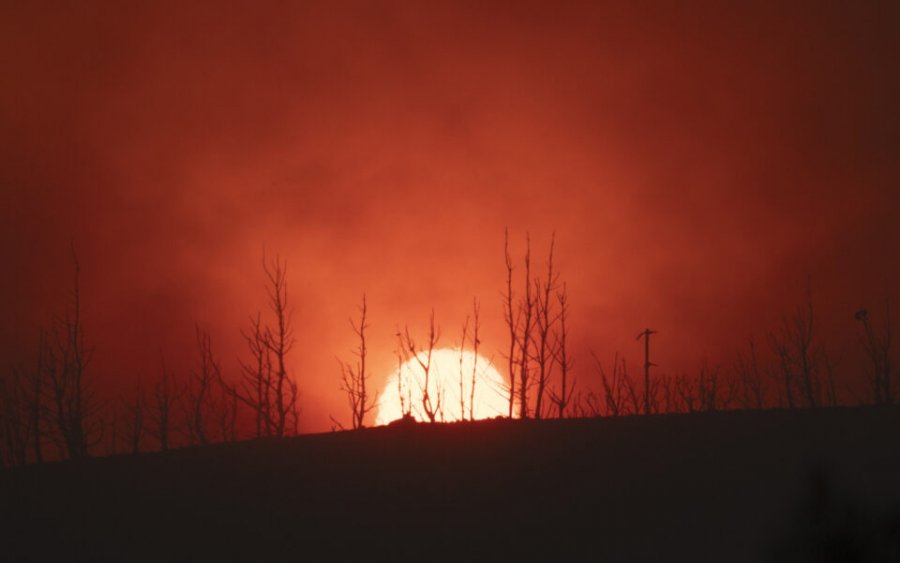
(645, 334)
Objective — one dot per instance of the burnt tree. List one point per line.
(72, 406)
(354, 378)
(546, 318)
(877, 345)
(432, 399)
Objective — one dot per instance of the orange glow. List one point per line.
(408, 381)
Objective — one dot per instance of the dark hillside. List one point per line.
(735, 486)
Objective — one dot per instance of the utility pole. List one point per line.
(646, 336)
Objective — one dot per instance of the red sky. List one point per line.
(698, 164)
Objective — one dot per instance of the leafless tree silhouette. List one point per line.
(521, 321)
(476, 342)
(280, 340)
(257, 377)
(687, 394)
(545, 319)
(199, 390)
(21, 410)
(36, 406)
(462, 374)
(112, 429)
(563, 397)
(228, 410)
(587, 404)
(404, 391)
(750, 377)
(715, 390)
(620, 394)
(527, 310)
(354, 378)
(265, 385)
(73, 407)
(669, 399)
(877, 345)
(431, 405)
(511, 317)
(800, 357)
(15, 418)
(164, 402)
(136, 413)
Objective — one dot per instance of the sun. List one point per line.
(405, 388)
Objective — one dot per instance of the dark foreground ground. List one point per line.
(740, 486)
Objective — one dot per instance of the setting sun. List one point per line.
(405, 388)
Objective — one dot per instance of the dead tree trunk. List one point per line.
(280, 341)
(403, 391)
(799, 356)
(462, 374)
(71, 399)
(135, 412)
(37, 390)
(164, 401)
(256, 385)
(750, 378)
(563, 360)
(15, 421)
(431, 406)
(877, 345)
(200, 388)
(354, 378)
(476, 310)
(527, 311)
(544, 321)
(512, 323)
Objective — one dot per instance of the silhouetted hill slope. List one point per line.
(733, 486)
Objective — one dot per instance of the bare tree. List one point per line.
(354, 378)
(800, 357)
(526, 308)
(112, 425)
(164, 402)
(563, 398)
(620, 394)
(72, 403)
(293, 410)
(715, 391)
(199, 390)
(545, 319)
(265, 385)
(828, 367)
(257, 378)
(15, 420)
(476, 312)
(280, 340)
(586, 404)
(21, 410)
(669, 395)
(877, 345)
(431, 405)
(228, 409)
(511, 318)
(612, 390)
(462, 374)
(750, 377)
(36, 406)
(403, 391)
(686, 391)
(135, 411)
